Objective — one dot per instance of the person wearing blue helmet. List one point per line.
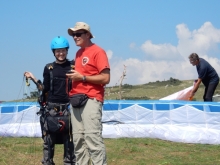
(54, 104)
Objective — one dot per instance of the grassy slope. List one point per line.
(149, 91)
(154, 90)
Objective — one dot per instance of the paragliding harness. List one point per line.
(55, 117)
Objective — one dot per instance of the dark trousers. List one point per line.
(51, 138)
(49, 145)
(209, 91)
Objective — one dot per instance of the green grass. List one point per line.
(150, 91)
(154, 90)
(122, 151)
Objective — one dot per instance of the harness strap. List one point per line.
(50, 67)
(58, 78)
(58, 107)
(51, 77)
(69, 81)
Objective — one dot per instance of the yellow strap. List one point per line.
(27, 82)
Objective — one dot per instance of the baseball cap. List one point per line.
(80, 26)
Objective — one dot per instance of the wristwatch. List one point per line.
(84, 79)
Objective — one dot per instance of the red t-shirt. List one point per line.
(90, 61)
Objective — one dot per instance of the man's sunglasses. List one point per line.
(78, 34)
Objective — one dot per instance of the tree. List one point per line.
(121, 80)
(34, 94)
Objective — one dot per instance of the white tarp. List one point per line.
(189, 122)
(180, 95)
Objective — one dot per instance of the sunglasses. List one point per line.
(78, 34)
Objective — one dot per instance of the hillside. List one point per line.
(153, 90)
(148, 91)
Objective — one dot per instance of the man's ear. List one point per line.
(88, 35)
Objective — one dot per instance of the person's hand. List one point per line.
(74, 75)
(191, 96)
(28, 75)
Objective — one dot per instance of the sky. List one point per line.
(150, 39)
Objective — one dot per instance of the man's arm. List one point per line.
(37, 82)
(196, 86)
(102, 78)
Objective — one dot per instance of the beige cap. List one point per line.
(80, 26)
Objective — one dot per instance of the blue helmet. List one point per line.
(59, 42)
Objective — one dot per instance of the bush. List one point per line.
(127, 86)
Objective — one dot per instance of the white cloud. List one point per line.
(166, 60)
(161, 51)
(199, 41)
(132, 45)
(109, 54)
(141, 72)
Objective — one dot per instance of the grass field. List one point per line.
(154, 90)
(124, 151)
(149, 91)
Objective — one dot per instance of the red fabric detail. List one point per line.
(63, 125)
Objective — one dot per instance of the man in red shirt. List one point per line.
(91, 74)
